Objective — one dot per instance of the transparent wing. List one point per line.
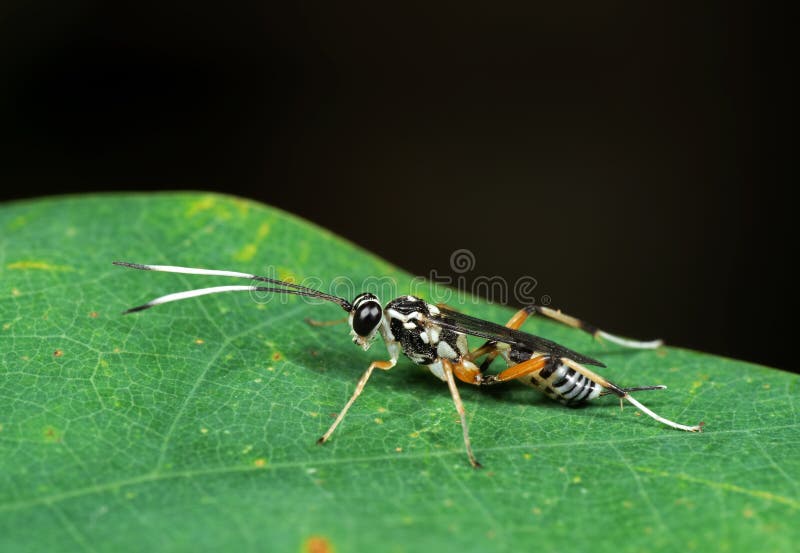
(465, 324)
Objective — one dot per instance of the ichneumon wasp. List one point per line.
(436, 336)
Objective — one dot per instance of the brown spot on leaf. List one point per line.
(51, 435)
(93, 314)
(58, 353)
(318, 544)
(276, 356)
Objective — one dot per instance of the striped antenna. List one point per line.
(285, 287)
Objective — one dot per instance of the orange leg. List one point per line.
(518, 319)
(519, 370)
(490, 348)
(383, 365)
(466, 371)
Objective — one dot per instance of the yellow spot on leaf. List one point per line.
(18, 222)
(397, 449)
(242, 206)
(199, 341)
(58, 353)
(378, 420)
(748, 513)
(15, 293)
(6, 326)
(576, 480)
(247, 449)
(627, 504)
(258, 380)
(536, 511)
(260, 463)
(204, 430)
(414, 434)
(286, 275)
(203, 204)
(36, 265)
(698, 383)
(382, 409)
(247, 253)
(527, 456)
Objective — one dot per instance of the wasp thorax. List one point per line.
(367, 314)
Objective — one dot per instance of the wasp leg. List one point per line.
(383, 365)
(522, 315)
(532, 365)
(573, 322)
(466, 371)
(488, 347)
(315, 322)
(447, 365)
(623, 394)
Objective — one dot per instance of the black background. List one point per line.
(632, 157)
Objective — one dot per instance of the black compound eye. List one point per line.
(366, 318)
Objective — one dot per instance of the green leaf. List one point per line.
(192, 425)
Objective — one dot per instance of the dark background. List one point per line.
(629, 156)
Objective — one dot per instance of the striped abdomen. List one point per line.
(563, 383)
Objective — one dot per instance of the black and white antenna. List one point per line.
(283, 287)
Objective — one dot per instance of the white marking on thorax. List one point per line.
(437, 369)
(394, 314)
(445, 350)
(462, 345)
